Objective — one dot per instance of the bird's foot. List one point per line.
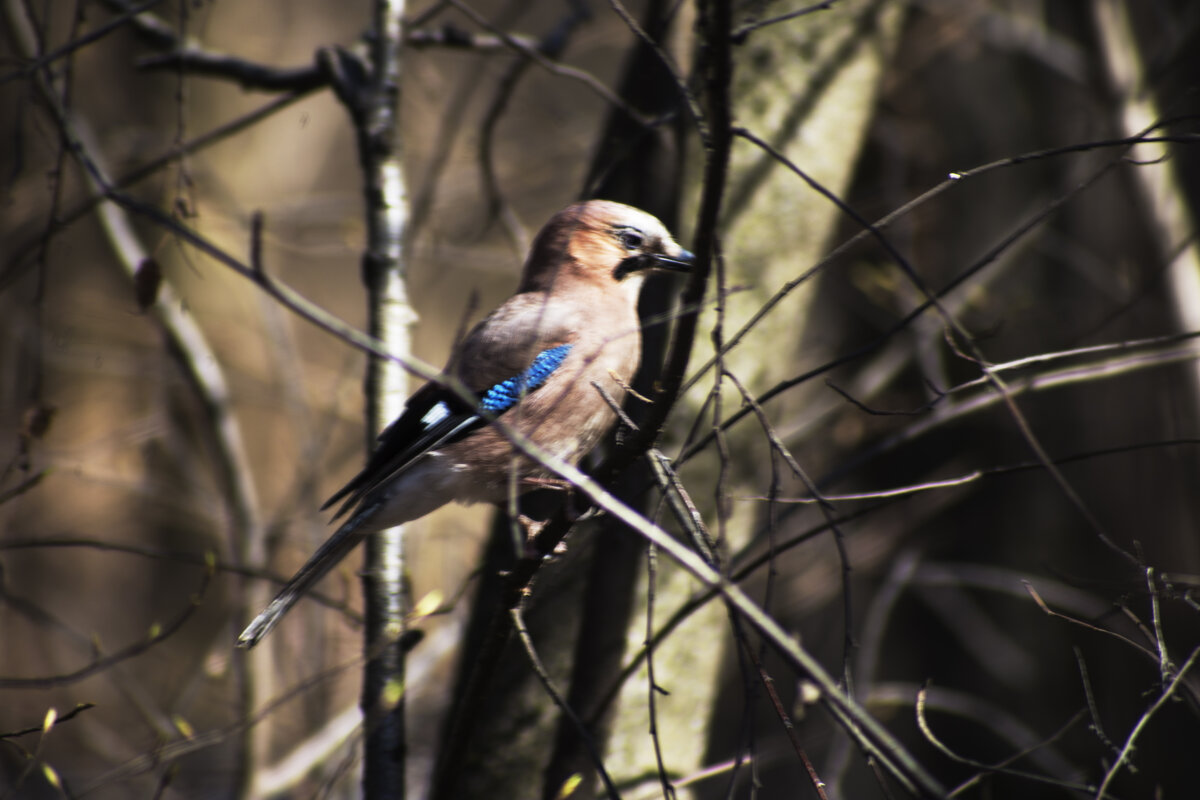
(532, 528)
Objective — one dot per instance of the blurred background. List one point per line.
(1021, 540)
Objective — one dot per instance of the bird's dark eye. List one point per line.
(630, 240)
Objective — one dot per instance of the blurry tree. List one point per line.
(925, 524)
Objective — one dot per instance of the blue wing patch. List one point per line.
(505, 395)
(434, 417)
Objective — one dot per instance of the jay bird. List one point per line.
(532, 362)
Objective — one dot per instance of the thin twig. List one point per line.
(1097, 726)
(158, 633)
(543, 677)
(689, 98)
(78, 709)
(1165, 667)
(652, 688)
(912, 205)
(827, 511)
(562, 70)
(739, 36)
(975, 355)
(551, 46)
(169, 751)
(1144, 720)
(184, 557)
(862, 726)
(75, 43)
(1002, 767)
(1037, 598)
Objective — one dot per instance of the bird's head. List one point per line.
(602, 242)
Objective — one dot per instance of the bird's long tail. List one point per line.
(328, 556)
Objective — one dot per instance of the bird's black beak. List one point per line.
(680, 262)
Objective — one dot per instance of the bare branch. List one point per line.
(1144, 720)
(158, 633)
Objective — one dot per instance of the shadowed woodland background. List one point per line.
(1008, 524)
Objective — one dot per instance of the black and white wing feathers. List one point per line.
(434, 417)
